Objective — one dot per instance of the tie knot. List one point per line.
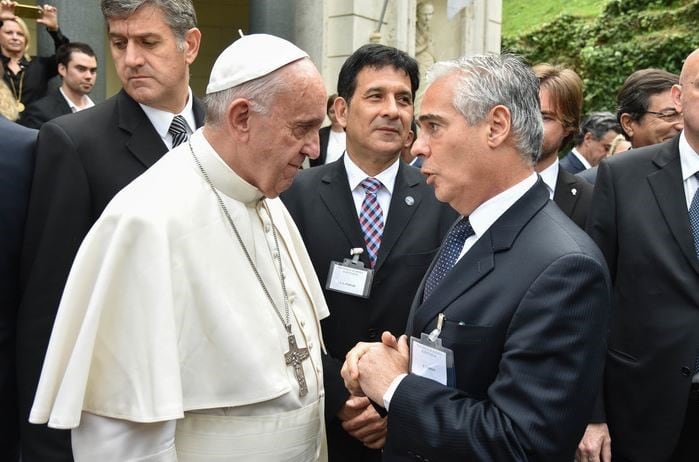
(463, 230)
(178, 126)
(371, 185)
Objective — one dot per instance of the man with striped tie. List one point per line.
(368, 200)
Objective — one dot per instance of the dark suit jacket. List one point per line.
(526, 316)
(573, 196)
(16, 165)
(49, 107)
(589, 175)
(639, 220)
(571, 163)
(320, 201)
(324, 135)
(82, 161)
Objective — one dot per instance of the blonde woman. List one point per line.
(26, 77)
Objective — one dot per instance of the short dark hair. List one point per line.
(637, 89)
(376, 56)
(598, 124)
(64, 52)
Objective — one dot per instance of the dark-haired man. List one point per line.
(368, 200)
(77, 66)
(592, 142)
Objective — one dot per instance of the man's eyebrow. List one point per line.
(431, 118)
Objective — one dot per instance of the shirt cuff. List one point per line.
(391, 390)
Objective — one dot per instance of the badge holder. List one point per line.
(429, 359)
(350, 276)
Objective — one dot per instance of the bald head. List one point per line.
(686, 98)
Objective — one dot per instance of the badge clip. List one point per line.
(350, 277)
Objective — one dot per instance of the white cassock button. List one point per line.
(292, 299)
(267, 228)
(310, 345)
(303, 323)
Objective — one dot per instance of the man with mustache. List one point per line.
(84, 159)
(77, 66)
(369, 200)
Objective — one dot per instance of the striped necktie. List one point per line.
(371, 218)
(448, 256)
(178, 130)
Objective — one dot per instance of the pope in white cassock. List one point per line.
(189, 326)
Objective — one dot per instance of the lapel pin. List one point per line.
(574, 191)
(409, 200)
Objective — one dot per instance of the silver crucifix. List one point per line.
(294, 357)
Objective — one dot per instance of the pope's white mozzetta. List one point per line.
(170, 342)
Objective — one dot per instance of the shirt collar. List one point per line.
(689, 159)
(489, 211)
(356, 175)
(72, 105)
(161, 120)
(581, 158)
(224, 179)
(550, 177)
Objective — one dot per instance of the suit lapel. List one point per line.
(337, 197)
(405, 200)
(144, 142)
(480, 259)
(667, 186)
(565, 195)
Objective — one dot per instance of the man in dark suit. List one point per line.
(16, 164)
(77, 66)
(332, 137)
(518, 293)
(83, 160)
(641, 219)
(560, 94)
(592, 142)
(376, 87)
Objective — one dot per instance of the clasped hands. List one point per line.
(368, 371)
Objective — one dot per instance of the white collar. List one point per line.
(73, 107)
(489, 211)
(550, 177)
(356, 175)
(221, 175)
(161, 120)
(689, 159)
(581, 158)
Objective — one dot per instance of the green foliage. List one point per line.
(627, 36)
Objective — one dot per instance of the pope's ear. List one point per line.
(238, 118)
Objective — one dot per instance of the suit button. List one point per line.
(372, 333)
(685, 371)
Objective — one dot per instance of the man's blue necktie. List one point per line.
(451, 249)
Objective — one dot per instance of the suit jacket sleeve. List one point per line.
(601, 226)
(539, 403)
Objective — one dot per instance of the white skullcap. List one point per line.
(251, 57)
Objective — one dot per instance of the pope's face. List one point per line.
(282, 139)
(152, 65)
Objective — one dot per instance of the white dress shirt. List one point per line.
(161, 120)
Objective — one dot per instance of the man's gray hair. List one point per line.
(261, 93)
(486, 81)
(179, 14)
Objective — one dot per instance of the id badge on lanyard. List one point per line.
(429, 359)
(350, 276)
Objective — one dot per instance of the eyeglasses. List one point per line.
(669, 115)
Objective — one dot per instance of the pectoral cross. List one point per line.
(294, 357)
